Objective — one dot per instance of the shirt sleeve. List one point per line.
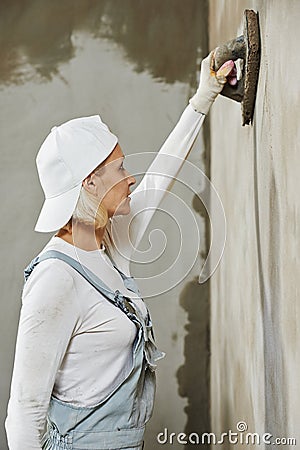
(127, 231)
(48, 318)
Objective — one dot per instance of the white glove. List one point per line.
(211, 83)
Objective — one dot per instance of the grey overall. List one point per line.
(118, 421)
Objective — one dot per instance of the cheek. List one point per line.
(119, 191)
(106, 185)
(113, 196)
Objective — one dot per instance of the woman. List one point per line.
(84, 370)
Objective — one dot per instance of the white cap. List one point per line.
(67, 156)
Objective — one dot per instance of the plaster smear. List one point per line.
(254, 335)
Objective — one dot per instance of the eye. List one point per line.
(122, 166)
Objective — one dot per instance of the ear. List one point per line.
(89, 185)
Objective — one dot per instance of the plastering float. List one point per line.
(247, 49)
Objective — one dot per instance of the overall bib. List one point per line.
(118, 421)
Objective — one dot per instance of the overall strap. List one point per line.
(130, 284)
(115, 298)
(152, 354)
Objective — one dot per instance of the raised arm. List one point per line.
(49, 315)
(127, 231)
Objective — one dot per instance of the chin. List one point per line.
(123, 210)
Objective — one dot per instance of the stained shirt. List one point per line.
(71, 342)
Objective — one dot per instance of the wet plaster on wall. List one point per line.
(44, 66)
(271, 295)
(254, 339)
(194, 375)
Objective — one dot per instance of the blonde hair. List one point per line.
(88, 211)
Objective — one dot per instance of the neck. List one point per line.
(83, 236)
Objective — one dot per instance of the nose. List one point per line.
(130, 179)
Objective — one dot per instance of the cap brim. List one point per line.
(57, 211)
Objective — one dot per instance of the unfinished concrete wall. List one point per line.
(133, 62)
(255, 292)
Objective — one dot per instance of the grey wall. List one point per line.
(134, 62)
(255, 293)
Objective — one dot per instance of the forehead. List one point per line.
(117, 153)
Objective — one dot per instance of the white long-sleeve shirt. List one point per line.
(72, 343)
